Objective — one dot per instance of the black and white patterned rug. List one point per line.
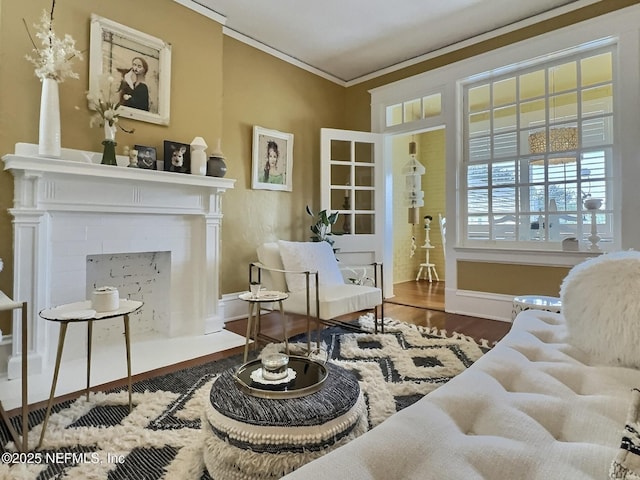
(626, 464)
(161, 438)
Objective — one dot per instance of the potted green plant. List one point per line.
(321, 229)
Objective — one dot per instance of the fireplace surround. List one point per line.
(68, 209)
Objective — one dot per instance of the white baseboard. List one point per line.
(11, 366)
(463, 302)
(231, 308)
(493, 306)
(234, 308)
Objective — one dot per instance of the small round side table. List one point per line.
(253, 320)
(82, 312)
(535, 302)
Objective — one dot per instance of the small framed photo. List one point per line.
(146, 157)
(272, 159)
(139, 63)
(177, 157)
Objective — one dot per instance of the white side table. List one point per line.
(253, 320)
(535, 302)
(82, 312)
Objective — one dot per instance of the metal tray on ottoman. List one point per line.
(309, 377)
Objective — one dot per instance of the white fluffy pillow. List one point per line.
(601, 303)
(309, 256)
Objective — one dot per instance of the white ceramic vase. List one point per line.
(109, 142)
(198, 156)
(110, 132)
(215, 165)
(49, 141)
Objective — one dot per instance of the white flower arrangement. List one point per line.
(106, 104)
(55, 58)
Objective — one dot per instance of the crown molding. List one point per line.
(206, 11)
(282, 56)
(203, 10)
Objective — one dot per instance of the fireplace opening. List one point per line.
(144, 276)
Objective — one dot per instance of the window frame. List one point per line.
(616, 28)
(606, 228)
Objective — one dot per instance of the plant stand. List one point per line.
(430, 267)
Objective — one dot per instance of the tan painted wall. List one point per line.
(261, 90)
(509, 279)
(404, 266)
(431, 148)
(358, 100)
(482, 276)
(220, 88)
(430, 153)
(258, 89)
(196, 84)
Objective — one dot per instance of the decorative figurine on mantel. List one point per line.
(215, 165)
(133, 159)
(198, 156)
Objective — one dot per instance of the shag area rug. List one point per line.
(161, 438)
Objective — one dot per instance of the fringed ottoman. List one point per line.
(247, 437)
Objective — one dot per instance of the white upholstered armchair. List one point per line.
(311, 275)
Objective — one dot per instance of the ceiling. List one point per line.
(349, 40)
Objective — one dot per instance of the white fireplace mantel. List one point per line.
(65, 209)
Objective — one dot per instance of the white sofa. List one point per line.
(534, 407)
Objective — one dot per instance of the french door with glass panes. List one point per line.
(352, 183)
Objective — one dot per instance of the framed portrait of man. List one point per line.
(139, 63)
(272, 160)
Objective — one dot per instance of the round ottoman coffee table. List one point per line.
(252, 437)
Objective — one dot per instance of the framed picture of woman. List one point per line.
(140, 63)
(272, 160)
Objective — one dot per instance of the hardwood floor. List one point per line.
(419, 303)
(420, 294)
